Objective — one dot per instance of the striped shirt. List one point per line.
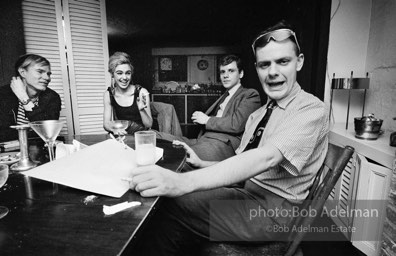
(21, 118)
(298, 128)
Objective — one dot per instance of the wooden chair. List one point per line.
(336, 160)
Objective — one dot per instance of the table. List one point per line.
(45, 219)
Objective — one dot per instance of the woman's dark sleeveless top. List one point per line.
(127, 113)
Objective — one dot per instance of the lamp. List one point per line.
(349, 84)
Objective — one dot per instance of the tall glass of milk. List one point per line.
(145, 147)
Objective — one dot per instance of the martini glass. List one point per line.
(48, 130)
(118, 126)
(3, 179)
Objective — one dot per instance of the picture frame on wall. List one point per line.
(172, 68)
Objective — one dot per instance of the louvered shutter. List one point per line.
(87, 57)
(73, 36)
(341, 197)
(44, 36)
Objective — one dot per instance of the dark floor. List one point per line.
(329, 248)
(328, 244)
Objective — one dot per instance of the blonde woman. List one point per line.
(125, 100)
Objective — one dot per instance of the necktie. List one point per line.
(223, 97)
(258, 132)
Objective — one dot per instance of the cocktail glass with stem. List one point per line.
(118, 126)
(3, 179)
(48, 130)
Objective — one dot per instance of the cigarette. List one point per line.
(112, 136)
(126, 179)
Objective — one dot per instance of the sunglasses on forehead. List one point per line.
(277, 35)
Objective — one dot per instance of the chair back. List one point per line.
(165, 118)
(334, 164)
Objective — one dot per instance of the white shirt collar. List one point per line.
(234, 89)
(227, 99)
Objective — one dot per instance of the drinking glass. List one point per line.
(3, 179)
(145, 142)
(118, 126)
(48, 130)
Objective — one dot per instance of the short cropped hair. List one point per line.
(282, 24)
(26, 60)
(229, 59)
(119, 58)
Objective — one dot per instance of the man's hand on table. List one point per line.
(192, 157)
(153, 180)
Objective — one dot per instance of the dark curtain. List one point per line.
(315, 29)
(321, 43)
(12, 41)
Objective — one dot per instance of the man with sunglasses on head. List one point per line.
(283, 147)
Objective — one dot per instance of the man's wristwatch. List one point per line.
(25, 102)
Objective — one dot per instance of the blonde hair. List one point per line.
(26, 60)
(119, 58)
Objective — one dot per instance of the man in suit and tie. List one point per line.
(223, 123)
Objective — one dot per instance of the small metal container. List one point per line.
(368, 127)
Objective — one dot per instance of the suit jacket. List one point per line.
(230, 127)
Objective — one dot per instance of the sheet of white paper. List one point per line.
(98, 168)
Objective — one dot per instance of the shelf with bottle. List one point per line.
(207, 89)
